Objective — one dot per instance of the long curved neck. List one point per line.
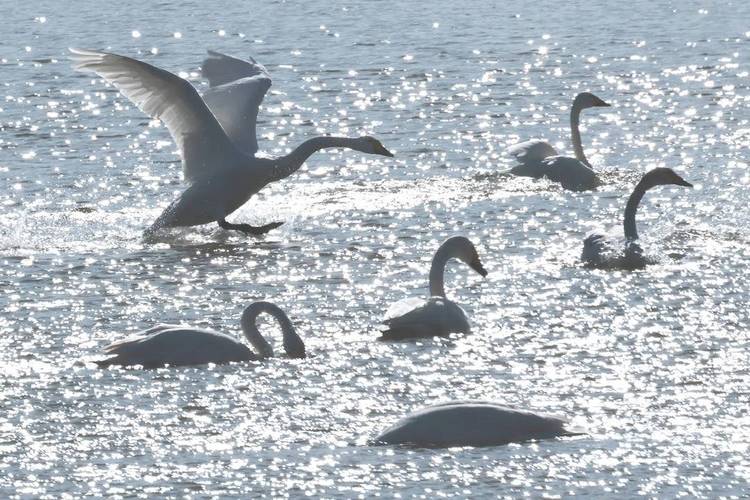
(635, 198)
(575, 134)
(284, 166)
(437, 272)
(292, 342)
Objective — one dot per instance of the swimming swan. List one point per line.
(539, 159)
(471, 423)
(220, 176)
(180, 345)
(600, 252)
(436, 316)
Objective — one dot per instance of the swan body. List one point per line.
(181, 345)
(537, 158)
(436, 315)
(471, 423)
(218, 154)
(601, 251)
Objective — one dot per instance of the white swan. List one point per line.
(221, 177)
(179, 345)
(472, 423)
(435, 316)
(539, 159)
(601, 252)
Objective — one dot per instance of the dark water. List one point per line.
(654, 363)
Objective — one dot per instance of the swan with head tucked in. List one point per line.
(180, 345)
(472, 423)
(218, 154)
(437, 315)
(538, 158)
(601, 252)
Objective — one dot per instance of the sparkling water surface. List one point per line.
(653, 363)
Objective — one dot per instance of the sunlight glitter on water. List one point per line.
(653, 363)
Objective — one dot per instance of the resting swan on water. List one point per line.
(179, 345)
(221, 170)
(601, 252)
(539, 159)
(472, 423)
(435, 316)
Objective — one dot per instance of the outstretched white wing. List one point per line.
(237, 89)
(204, 146)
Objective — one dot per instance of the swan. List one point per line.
(435, 316)
(472, 423)
(221, 176)
(180, 345)
(601, 252)
(539, 159)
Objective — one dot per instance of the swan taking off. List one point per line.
(471, 423)
(179, 345)
(601, 252)
(435, 316)
(217, 150)
(538, 158)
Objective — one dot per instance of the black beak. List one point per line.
(683, 182)
(478, 267)
(603, 104)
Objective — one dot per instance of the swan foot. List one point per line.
(247, 228)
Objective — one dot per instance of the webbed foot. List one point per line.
(247, 228)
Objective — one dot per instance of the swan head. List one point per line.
(588, 100)
(373, 146)
(464, 250)
(662, 176)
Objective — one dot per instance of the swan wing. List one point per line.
(203, 144)
(403, 308)
(424, 318)
(532, 151)
(177, 346)
(220, 69)
(237, 90)
(236, 106)
(570, 172)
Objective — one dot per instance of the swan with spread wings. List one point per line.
(215, 133)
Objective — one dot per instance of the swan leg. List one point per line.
(247, 228)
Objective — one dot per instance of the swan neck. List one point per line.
(629, 222)
(262, 348)
(437, 272)
(293, 344)
(575, 133)
(285, 166)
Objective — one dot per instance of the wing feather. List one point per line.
(532, 151)
(220, 68)
(203, 144)
(237, 90)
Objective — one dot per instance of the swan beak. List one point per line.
(602, 103)
(478, 267)
(683, 182)
(380, 150)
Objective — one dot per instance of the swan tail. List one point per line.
(572, 431)
(106, 363)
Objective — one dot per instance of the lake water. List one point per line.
(653, 363)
